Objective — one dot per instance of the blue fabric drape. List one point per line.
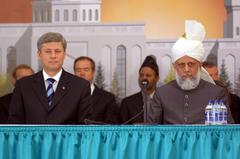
(120, 142)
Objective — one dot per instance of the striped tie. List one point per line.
(50, 91)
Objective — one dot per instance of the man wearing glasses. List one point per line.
(183, 100)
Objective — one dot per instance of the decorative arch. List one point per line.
(11, 59)
(136, 49)
(132, 71)
(96, 14)
(84, 15)
(65, 15)
(230, 64)
(38, 16)
(237, 31)
(57, 15)
(43, 16)
(106, 59)
(90, 15)
(74, 15)
(49, 16)
(121, 69)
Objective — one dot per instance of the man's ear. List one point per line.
(38, 54)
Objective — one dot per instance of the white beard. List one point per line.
(188, 84)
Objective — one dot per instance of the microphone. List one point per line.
(134, 117)
(144, 83)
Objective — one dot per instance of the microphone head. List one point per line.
(144, 83)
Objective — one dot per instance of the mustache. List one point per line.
(187, 76)
(188, 83)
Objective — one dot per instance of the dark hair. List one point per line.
(207, 64)
(21, 66)
(51, 37)
(150, 61)
(84, 58)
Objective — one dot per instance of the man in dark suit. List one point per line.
(132, 107)
(19, 72)
(104, 107)
(183, 100)
(51, 96)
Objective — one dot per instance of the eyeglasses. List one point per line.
(189, 64)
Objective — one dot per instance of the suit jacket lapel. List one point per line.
(139, 101)
(95, 96)
(62, 88)
(40, 90)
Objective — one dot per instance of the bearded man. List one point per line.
(183, 100)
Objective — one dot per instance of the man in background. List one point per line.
(234, 100)
(104, 107)
(134, 108)
(212, 70)
(19, 72)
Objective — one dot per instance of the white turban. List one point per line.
(191, 45)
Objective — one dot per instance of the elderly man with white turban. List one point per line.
(183, 100)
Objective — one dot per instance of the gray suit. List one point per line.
(172, 105)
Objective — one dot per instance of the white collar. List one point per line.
(56, 77)
(152, 94)
(92, 88)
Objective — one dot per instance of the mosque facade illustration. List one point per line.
(119, 47)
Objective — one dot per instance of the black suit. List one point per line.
(4, 106)
(104, 107)
(71, 102)
(235, 107)
(130, 107)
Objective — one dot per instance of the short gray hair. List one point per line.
(51, 37)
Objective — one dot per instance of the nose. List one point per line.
(144, 76)
(53, 54)
(81, 73)
(143, 79)
(186, 68)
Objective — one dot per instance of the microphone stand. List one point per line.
(145, 100)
